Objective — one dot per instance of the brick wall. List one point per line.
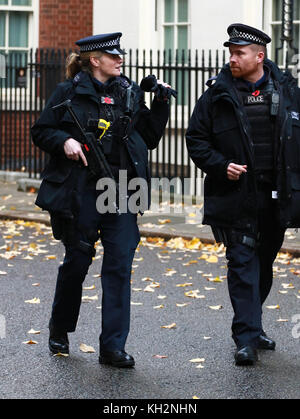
(62, 22)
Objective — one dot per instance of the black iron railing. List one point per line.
(31, 79)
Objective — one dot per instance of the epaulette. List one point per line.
(77, 78)
(210, 82)
(124, 81)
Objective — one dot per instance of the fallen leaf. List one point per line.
(160, 356)
(193, 294)
(87, 349)
(3, 273)
(92, 287)
(160, 306)
(161, 297)
(59, 354)
(216, 307)
(216, 279)
(197, 360)
(187, 284)
(170, 326)
(161, 221)
(212, 259)
(30, 342)
(149, 288)
(33, 301)
(34, 332)
(136, 304)
(87, 298)
(277, 307)
(182, 305)
(287, 286)
(282, 320)
(206, 337)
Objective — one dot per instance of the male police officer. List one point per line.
(244, 134)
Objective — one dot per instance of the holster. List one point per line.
(64, 229)
(231, 236)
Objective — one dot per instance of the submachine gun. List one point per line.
(93, 152)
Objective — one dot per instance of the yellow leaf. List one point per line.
(216, 279)
(288, 286)
(87, 349)
(161, 221)
(59, 354)
(216, 307)
(196, 398)
(212, 259)
(170, 326)
(50, 257)
(34, 332)
(193, 294)
(87, 298)
(277, 307)
(92, 287)
(33, 301)
(186, 284)
(149, 288)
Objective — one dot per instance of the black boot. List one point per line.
(58, 340)
(245, 355)
(116, 358)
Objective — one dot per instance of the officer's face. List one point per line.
(108, 65)
(245, 61)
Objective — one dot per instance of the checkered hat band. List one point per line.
(98, 45)
(247, 37)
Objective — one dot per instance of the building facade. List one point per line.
(146, 24)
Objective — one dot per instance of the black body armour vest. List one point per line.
(258, 108)
(112, 104)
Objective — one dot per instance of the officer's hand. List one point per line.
(73, 150)
(234, 171)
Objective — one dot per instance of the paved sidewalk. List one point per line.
(166, 222)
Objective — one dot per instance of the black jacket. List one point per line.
(54, 127)
(218, 134)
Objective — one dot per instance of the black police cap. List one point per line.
(240, 34)
(108, 42)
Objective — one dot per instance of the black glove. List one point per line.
(149, 84)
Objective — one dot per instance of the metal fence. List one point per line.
(31, 78)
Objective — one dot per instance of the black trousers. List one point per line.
(250, 273)
(119, 236)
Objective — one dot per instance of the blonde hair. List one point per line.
(80, 62)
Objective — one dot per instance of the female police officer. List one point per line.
(97, 90)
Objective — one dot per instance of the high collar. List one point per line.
(224, 80)
(259, 84)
